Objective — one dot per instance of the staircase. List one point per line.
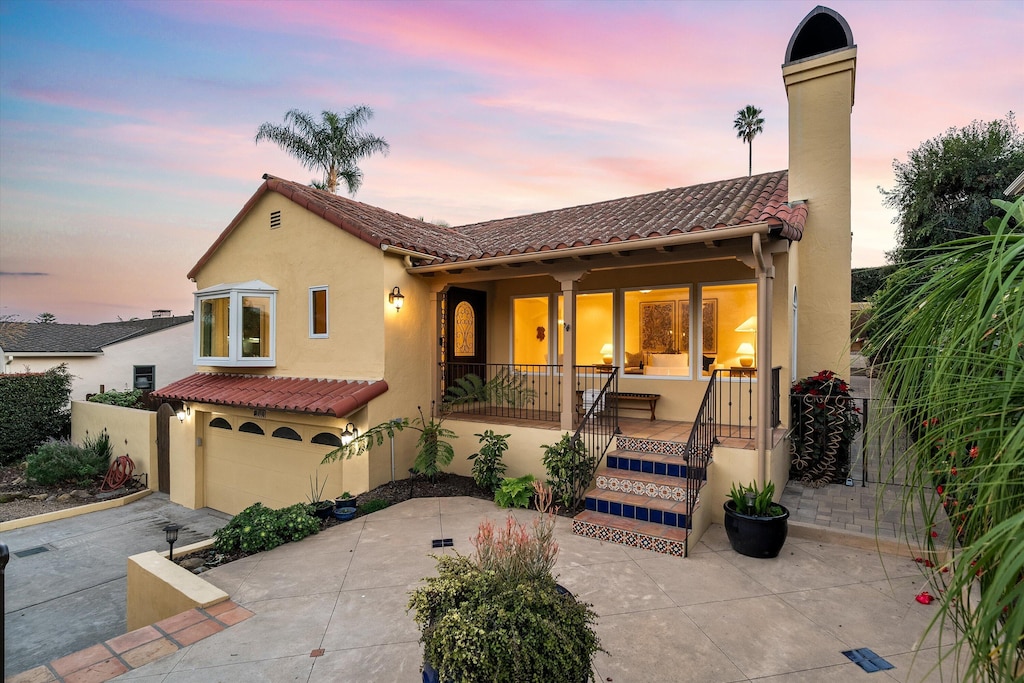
(640, 495)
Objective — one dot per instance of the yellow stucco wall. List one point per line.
(522, 457)
(820, 94)
(157, 589)
(368, 340)
(132, 432)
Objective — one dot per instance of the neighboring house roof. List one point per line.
(742, 201)
(319, 396)
(59, 338)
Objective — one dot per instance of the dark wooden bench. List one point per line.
(619, 397)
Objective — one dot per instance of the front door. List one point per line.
(465, 334)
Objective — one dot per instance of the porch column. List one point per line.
(435, 371)
(570, 285)
(765, 286)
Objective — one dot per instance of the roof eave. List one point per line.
(692, 237)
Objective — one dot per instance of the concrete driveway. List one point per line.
(65, 582)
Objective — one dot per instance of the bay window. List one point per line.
(235, 325)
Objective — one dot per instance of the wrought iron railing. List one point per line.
(776, 412)
(703, 438)
(597, 428)
(520, 391)
(734, 402)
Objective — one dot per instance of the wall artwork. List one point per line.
(657, 325)
(710, 326)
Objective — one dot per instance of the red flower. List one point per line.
(935, 534)
(938, 489)
(924, 597)
(974, 452)
(953, 470)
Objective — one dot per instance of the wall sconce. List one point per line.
(349, 434)
(183, 411)
(396, 298)
(746, 354)
(606, 354)
(171, 534)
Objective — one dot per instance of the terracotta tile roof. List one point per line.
(27, 338)
(295, 394)
(727, 203)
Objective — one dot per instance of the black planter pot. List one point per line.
(345, 502)
(324, 510)
(755, 536)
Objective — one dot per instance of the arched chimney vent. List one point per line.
(823, 30)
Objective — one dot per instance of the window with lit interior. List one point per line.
(235, 325)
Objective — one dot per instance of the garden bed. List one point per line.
(19, 499)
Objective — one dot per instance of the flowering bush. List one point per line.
(826, 420)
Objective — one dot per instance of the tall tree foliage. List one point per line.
(333, 145)
(952, 336)
(748, 125)
(943, 189)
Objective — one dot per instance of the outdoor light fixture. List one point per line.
(171, 534)
(397, 298)
(349, 434)
(606, 354)
(746, 354)
(183, 411)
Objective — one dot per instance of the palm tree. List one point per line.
(950, 336)
(748, 124)
(332, 145)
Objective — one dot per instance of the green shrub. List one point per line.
(125, 399)
(570, 470)
(487, 466)
(432, 449)
(258, 528)
(515, 492)
(57, 462)
(34, 407)
(373, 506)
(477, 626)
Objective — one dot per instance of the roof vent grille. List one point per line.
(275, 219)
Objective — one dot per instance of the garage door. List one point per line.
(245, 463)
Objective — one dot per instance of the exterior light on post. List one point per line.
(349, 434)
(171, 534)
(183, 411)
(396, 298)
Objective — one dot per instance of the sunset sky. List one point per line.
(126, 128)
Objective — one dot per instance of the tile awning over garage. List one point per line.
(296, 394)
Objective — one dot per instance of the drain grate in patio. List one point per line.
(442, 543)
(32, 551)
(867, 660)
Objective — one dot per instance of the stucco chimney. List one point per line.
(819, 73)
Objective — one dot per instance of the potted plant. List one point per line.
(755, 525)
(345, 500)
(498, 615)
(825, 421)
(321, 508)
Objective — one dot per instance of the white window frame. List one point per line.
(327, 313)
(235, 292)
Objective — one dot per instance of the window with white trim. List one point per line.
(235, 325)
(318, 312)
